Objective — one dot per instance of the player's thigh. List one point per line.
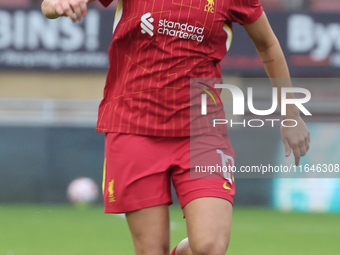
(208, 225)
(150, 230)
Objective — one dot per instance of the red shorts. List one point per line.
(138, 170)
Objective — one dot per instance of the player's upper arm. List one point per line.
(261, 33)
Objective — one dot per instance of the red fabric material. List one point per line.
(139, 169)
(152, 61)
(245, 11)
(173, 251)
(105, 3)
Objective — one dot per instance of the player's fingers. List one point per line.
(307, 143)
(68, 11)
(58, 8)
(83, 8)
(77, 11)
(303, 150)
(297, 153)
(297, 158)
(287, 147)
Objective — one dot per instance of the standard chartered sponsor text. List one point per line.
(183, 31)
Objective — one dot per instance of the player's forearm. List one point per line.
(276, 67)
(269, 49)
(274, 61)
(48, 9)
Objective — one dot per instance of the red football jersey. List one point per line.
(157, 46)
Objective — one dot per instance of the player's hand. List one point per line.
(296, 139)
(74, 9)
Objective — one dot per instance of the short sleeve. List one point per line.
(245, 11)
(106, 3)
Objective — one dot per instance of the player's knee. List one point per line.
(210, 247)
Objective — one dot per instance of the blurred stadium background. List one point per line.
(52, 74)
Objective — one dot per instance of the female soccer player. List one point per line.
(157, 46)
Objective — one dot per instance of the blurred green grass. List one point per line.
(65, 230)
